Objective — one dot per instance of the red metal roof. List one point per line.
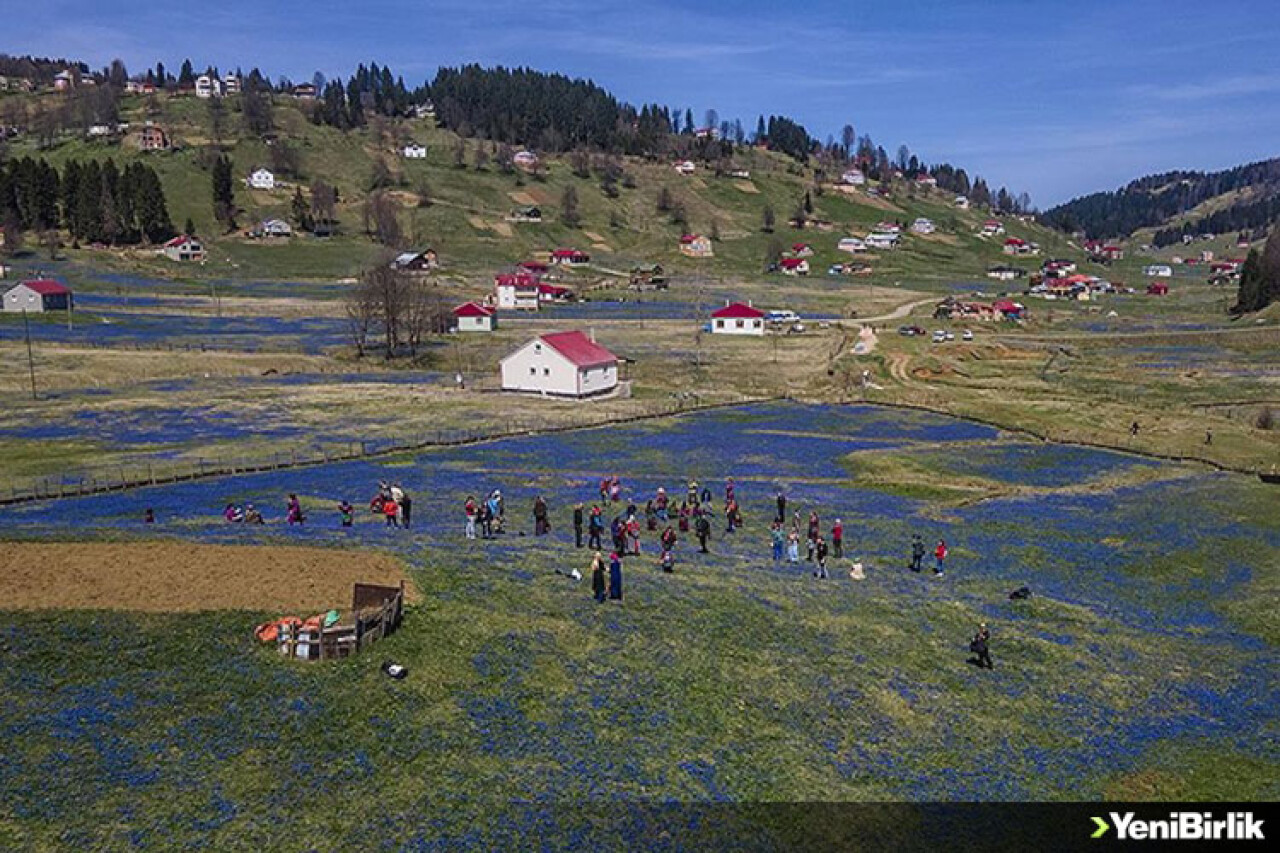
(552, 289)
(472, 309)
(1006, 306)
(47, 287)
(796, 247)
(792, 263)
(519, 279)
(689, 238)
(579, 349)
(533, 266)
(736, 311)
(178, 241)
(568, 253)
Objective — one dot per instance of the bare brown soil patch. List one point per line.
(522, 198)
(746, 187)
(168, 577)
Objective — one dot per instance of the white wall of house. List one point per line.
(538, 368)
(513, 298)
(476, 324)
(737, 326)
(23, 298)
(262, 180)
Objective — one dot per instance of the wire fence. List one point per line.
(153, 472)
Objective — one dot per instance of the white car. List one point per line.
(951, 336)
(939, 336)
(968, 334)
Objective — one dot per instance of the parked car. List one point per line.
(968, 334)
(951, 336)
(910, 330)
(939, 336)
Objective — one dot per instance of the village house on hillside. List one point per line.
(64, 80)
(852, 245)
(526, 213)
(423, 261)
(801, 250)
(563, 364)
(1165, 270)
(737, 318)
(516, 291)
(882, 240)
(208, 86)
(570, 257)
(962, 202)
(1018, 246)
(152, 137)
(184, 248)
(696, 246)
(414, 151)
(262, 179)
(37, 296)
(685, 167)
(992, 228)
(927, 180)
(853, 177)
(1005, 273)
(474, 317)
(231, 83)
(648, 275)
(524, 159)
(304, 91)
(794, 266)
(275, 228)
(923, 226)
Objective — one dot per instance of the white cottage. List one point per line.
(474, 317)
(414, 151)
(37, 297)
(737, 318)
(563, 364)
(262, 179)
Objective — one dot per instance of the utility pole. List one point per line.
(31, 361)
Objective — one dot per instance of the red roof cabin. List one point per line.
(474, 317)
(737, 318)
(37, 296)
(1157, 288)
(562, 364)
(569, 257)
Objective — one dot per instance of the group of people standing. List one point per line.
(392, 502)
(788, 542)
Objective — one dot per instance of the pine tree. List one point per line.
(767, 219)
(223, 193)
(189, 228)
(186, 76)
(569, 207)
(301, 210)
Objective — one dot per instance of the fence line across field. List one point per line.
(137, 475)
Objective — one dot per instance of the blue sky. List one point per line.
(1056, 99)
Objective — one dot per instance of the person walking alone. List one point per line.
(917, 553)
(577, 525)
(782, 507)
(540, 526)
(981, 647)
(472, 511)
(837, 539)
(940, 556)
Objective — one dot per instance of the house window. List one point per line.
(719, 324)
(546, 371)
(739, 323)
(755, 324)
(537, 348)
(533, 371)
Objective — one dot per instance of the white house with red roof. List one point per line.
(569, 257)
(794, 266)
(38, 296)
(927, 180)
(685, 167)
(516, 291)
(696, 246)
(562, 364)
(474, 317)
(853, 177)
(801, 250)
(992, 228)
(525, 159)
(738, 318)
(184, 248)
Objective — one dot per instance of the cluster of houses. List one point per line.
(886, 235)
(1019, 246)
(1103, 253)
(211, 86)
(37, 296)
(953, 308)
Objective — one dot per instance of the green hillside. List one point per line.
(464, 219)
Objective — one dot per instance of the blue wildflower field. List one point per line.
(1143, 666)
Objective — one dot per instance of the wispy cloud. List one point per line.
(1223, 87)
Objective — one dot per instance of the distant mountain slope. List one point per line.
(1176, 203)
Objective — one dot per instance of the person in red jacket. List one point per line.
(837, 539)
(939, 555)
